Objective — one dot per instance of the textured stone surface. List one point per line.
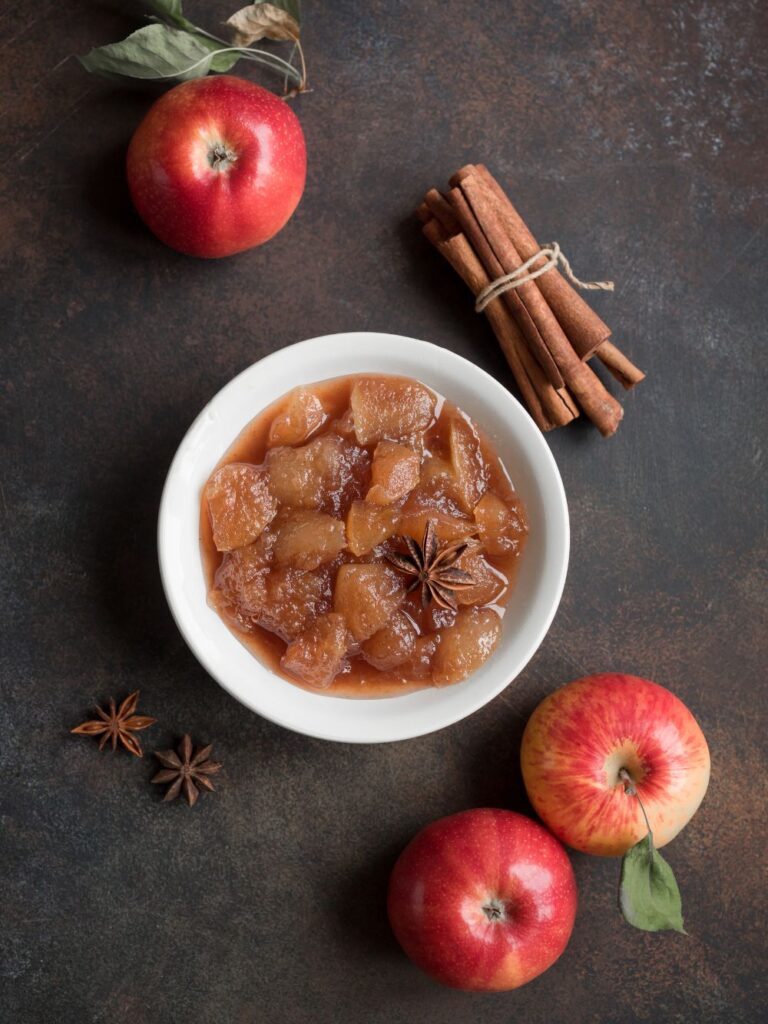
(632, 133)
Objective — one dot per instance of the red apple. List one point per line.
(217, 166)
(581, 736)
(483, 900)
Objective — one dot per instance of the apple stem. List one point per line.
(631, 790)
(221, 156)
(264, 57)
(494, 910)
(302, 86)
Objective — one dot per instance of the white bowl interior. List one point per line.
(522, 448)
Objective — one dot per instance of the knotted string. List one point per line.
(522, 274)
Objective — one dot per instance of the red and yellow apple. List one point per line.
(483, 900)
(217, 166)
(590, 741)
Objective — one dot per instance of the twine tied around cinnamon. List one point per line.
(522, 274)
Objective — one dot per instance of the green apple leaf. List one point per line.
(648, 894)
(158, 52)
(173, 49)
(279, 20)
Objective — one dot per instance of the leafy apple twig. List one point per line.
(649, 897)
(172, 48)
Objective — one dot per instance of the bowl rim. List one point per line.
(173, 588)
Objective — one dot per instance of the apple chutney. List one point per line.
(361, 537)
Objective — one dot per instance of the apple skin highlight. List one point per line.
(581, 736)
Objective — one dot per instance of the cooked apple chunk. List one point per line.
(390, 409)
(322, 474)
(293, 599)
(301, 417)
(447, 527)
(488, 583)
(241, 575)
(306, 539)
(469, 466)
(369, 525)
(316, 656)
(394, 472)
(436, 498)
(240, 505)
(437, 479)
(367, 595)
(466, 645)
(392, 644)
(418, 665)
(230, 611)
(501, 525)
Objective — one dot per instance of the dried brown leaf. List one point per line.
(262, 21)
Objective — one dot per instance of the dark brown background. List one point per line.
(632, 133)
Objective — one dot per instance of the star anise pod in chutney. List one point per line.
(433, 568)
(117, 724)
(186, 770)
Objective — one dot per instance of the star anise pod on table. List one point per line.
(117, 724)
(186, 770)
(433, 567)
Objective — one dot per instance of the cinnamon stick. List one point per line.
(548, 407)
(423, 212)
(476, 237)
(585, 330)
(482, 202)
(439, 207)
(623, 369)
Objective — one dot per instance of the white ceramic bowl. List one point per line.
(533, 602)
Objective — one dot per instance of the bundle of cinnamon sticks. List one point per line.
(546, 330)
